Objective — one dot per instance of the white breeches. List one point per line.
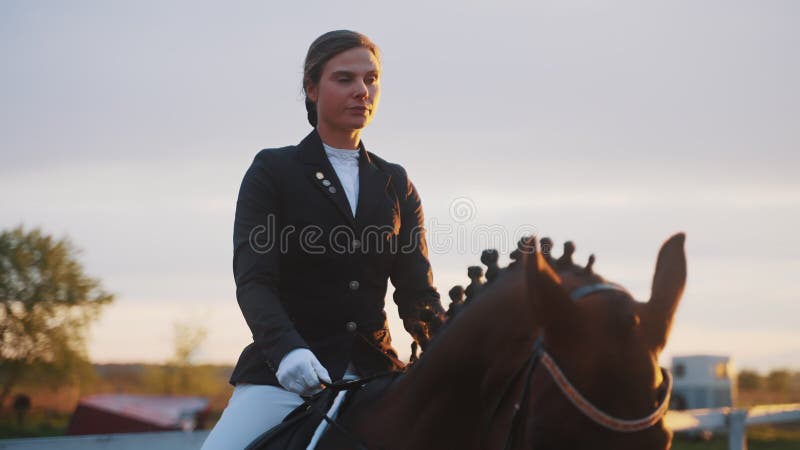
(254, 409)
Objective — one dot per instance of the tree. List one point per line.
(187, 340)
(46, 304)
(178, 376)
(749, 380)
(778, 381)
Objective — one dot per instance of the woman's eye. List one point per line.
(343, 80)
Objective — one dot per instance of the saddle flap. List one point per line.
(297, 428)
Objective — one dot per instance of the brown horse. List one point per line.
(548, 356)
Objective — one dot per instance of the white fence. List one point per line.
(164, 440)
(733, 421)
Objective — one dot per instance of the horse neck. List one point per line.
(448, 391)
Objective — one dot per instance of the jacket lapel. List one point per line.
(318, 170)
(372, 183)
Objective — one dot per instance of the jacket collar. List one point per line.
(372, 180)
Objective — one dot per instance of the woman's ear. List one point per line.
(312, 91)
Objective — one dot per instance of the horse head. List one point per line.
(488, 380)
(603, 387)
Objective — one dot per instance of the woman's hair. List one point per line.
(321, 51)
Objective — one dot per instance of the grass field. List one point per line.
(37, 424)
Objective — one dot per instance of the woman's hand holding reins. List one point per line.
(300, 372)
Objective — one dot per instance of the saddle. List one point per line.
(298, 427)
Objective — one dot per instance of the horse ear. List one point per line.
(549, 301)
(668, 282)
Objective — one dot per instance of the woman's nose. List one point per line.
(361, 89)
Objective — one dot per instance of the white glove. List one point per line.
(300, 372)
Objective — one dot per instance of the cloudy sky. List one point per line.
(127, 127)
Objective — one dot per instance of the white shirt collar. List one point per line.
(341, 153)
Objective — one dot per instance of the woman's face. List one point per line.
(348, 91)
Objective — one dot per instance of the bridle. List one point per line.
(596, 414)
(572, 394)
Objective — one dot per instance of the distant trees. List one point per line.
(749, 380)
(46, 304)
(178, 375)
(186, 340)
(778, 380)
(775, 386)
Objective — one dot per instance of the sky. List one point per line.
(127, 127)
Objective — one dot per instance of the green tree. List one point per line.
(778, 380)
(179, 375)
(46, 304)
(186, 340)
(749, 380)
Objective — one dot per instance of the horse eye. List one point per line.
(627, 321)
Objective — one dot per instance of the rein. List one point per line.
(338, 386)
(572, 394)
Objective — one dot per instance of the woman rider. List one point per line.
(319, 229)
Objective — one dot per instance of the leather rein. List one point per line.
(572, 394)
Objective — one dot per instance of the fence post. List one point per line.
(737, 430)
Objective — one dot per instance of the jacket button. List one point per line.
(354, 285)
(356, 244)
(350, 326)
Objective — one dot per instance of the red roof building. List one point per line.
(122, 413)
